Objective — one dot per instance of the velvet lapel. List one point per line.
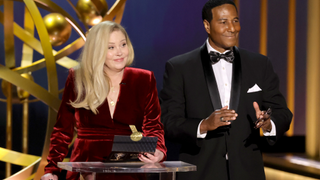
(210, 79)
(236, 80)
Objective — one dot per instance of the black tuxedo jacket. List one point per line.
(190, 94)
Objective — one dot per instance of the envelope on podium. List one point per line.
(126, 149)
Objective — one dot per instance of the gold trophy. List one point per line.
(136, 135)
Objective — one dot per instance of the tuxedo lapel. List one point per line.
(236, 80)
(210, 79)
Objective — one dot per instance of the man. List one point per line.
(211, 101)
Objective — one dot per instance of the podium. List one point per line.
(158, 171)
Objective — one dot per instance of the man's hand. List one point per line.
(264, 123)
(218, 118)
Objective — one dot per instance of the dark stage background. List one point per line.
(160, 30)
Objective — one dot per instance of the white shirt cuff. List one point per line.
(198, 132)
(272, 132)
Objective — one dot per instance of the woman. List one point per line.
(102, 97)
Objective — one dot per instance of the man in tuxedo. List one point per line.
(214, 101)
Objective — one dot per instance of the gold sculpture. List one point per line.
(91, 13)
(17, 82)
(58, 28)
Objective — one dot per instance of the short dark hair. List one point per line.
(206, 10)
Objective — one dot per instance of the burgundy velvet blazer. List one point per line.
(137, 104)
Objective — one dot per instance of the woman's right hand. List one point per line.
(49, 176)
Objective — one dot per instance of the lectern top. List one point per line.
(127, 167)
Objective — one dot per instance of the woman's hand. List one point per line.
(149, 158)
(87, 176)
(49, 176)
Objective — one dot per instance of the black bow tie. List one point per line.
(215, 56)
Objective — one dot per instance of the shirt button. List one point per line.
(226, 84)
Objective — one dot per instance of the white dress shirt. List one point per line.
(223, 74)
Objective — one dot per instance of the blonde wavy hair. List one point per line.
(91, 82)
